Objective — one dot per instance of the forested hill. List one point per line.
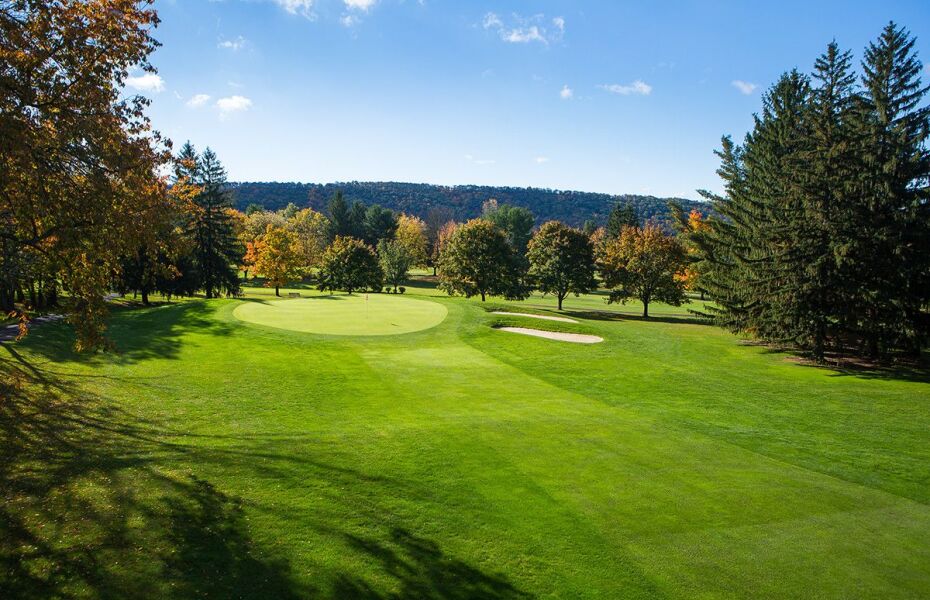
(464, 201)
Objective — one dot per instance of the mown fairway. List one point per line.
(213, 457)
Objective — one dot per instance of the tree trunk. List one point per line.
(561, 297)
(645, 309)
(145, 297)
(482, 295)
(277, 291)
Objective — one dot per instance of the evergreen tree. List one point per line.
(380, 224)
(823, 233)
(887, 257)
(338, 216)
(216, 248)
(622, 215)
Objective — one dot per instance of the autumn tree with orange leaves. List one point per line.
(278, 257)
(79, 161)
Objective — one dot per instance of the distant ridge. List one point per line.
(462, 201)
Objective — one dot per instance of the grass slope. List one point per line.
(215, 458)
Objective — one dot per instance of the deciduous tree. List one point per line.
(79, 162)
(411, 233)
(279, 257)
(561, 261)
(644, 263)
(395, 260)
(478, 259)
(350, 264)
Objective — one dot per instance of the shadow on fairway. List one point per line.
(98, 502)
(136, 334)
(87, 511)
(604, 315)
(422, 571)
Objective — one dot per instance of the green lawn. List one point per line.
(213, 457)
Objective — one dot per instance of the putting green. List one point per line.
(361, 314)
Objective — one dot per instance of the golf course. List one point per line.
(402, 447)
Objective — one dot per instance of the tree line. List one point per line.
(822, 239)
(356, 247)
(460, 202)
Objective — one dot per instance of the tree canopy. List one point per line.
(478, 259)
(646, 264)
(350, 264)
(561, 261)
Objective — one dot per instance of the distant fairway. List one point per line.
(361, 314)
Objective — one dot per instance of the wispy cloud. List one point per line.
(638, 87)
(479, 161)
(233, 104)
(523, 30)
(235, 45)
(348, 20)
(363, 5)
(567, 93)
(744, 87)
(198, 100)
(148, 82)
(303, 8)
(541, 159)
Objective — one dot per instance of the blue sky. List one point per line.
(612, 96)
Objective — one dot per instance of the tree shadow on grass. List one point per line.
(422, 570)
(136, 334)
(88, 510)
(98, 502)
(604, 315)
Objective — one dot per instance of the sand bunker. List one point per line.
(532, 316)
(576, 338)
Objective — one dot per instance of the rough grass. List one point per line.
(214, 458)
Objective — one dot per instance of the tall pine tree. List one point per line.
(216, 248)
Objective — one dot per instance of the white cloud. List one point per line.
(298, 7)
(363, 5)
(744, 87)
(567, 93)
(234, 45)
(524, 30)
(348, 20)
(198, 100)
(492, 21)
(638, 87)
(522, 35)
(541, 159)
(479, 161)
(233, 104)
(149, 82)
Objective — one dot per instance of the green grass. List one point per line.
(359, 314)
(212, 457)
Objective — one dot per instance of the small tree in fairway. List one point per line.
(478, 259)
(561, 260)
(349, 264)
(645, 264)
